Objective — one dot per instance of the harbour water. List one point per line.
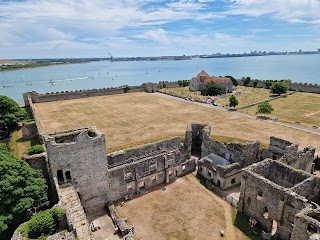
(297, 68)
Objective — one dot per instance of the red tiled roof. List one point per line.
(203, 73)
(204, 77)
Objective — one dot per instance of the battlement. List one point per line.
(293, 86)
(73, 135)
(67, 95)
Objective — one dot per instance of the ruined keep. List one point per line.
(288, 152)
(78, 157)
(276, 195)
(223, 163)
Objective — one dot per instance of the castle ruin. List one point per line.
(281, 194)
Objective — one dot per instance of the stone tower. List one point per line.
(78, 157)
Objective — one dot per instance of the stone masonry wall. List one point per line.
(29, 130)
(133, 170)
(307, 224)
(293, 86)
(76, 157)
(147, 150)
(243, 153)
(39, 162)
(266, 201)
(67, 95)
(300, 159)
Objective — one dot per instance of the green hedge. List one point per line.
(36, 149)
(43, 223)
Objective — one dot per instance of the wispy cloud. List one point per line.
(89, 28)
(302, 10)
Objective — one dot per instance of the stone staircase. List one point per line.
(75, 213)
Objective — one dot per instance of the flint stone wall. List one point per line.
(68, 95)
(274, 194)
(243, 153)
(133, 170)
(293, 86)
(300, 159)
(39, 162)
(307, 224)
(84, 157)
(29, 130)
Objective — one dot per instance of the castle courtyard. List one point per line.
(136, 118)
(185, 209)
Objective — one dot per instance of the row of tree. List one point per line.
(23, 190)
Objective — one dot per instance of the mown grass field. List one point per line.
(135, 118)
(18, 146)
(299, 107)
(245, 95)
(181, 214)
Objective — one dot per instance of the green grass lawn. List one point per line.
(241, 221)
(18, 146)
(245, 95)
(298, 107)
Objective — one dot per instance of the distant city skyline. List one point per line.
(130, 28)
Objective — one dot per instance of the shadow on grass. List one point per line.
(241, 221)
(33, 141)
(201, 179)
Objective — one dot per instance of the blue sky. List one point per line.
(93, 28)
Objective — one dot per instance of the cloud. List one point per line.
(156, 35)
(144, 26)
(307, 11)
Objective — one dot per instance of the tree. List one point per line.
(183, 83)
(279, 88)
(22, 192)
(234, 81)
(212, 89)
(246, 81)
(10, 115)
(255, 83)
(268, 83)
(265, 108)
(233, 101)
(126, 88)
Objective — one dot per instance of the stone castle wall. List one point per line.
(144, 151)
(68, 95)
(307, 224)
(133, 170)
(266, 199)
(29, 102)
(243, 153)
(39, 162)
(29, 130)
(293, 86)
